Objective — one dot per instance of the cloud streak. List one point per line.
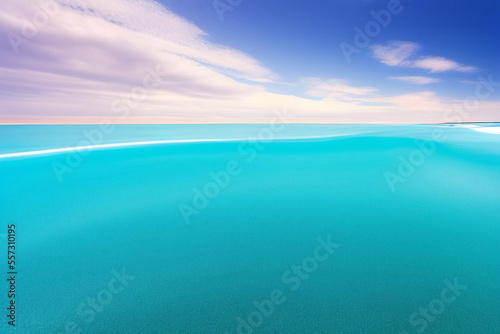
(334, 88)
(417, 80)
(402, 54)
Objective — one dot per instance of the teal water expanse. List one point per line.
(209, 229)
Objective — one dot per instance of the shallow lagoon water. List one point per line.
(118, 209)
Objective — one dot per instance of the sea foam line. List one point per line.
(104, 146)
(142, 143)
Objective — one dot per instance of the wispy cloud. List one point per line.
(395, 53)
(471, 82)
(440, 64)
(417, 80)
(178, 35)
(337, 88)
(401, 53)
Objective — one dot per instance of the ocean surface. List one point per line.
(252, 228)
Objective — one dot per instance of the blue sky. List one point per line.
(239, 64)
(298, 38)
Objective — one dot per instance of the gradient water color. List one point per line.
(114, 223)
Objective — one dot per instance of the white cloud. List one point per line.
(440, 64)
(395, 53)
(400, 53)
(417, 80)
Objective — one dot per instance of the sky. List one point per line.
(244, 61)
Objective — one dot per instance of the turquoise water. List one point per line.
(176, 236)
